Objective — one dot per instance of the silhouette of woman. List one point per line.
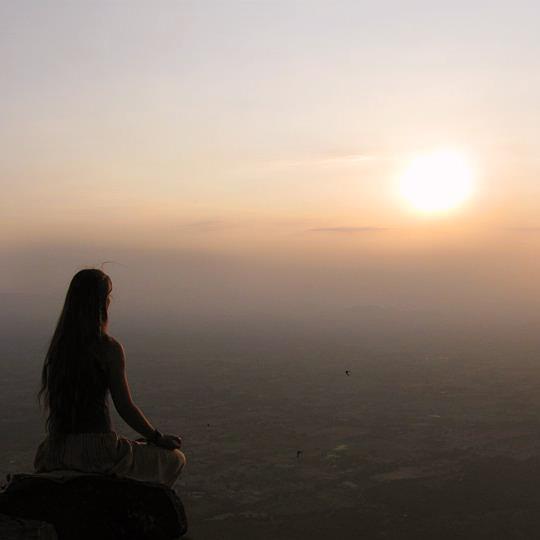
(83, 365)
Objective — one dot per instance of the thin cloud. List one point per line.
(348, 230)
(523, 229)
(337, 159)
(206, 226)
(348, 158)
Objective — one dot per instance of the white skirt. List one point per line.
(110, 453)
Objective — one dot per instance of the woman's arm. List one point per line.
(130, 413)
(121, 394)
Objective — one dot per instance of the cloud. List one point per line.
(348, 230)
(206, 226)
(324, 160)
(347, 158)
(523, 229)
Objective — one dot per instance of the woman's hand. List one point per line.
(171, 442)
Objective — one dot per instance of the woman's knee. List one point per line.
(181, 457)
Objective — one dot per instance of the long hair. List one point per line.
(69, 373)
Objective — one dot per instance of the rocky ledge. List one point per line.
(88, 506)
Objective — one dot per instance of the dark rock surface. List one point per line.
(90, 506)
(12, 528)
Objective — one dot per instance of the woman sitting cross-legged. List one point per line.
(83, 365)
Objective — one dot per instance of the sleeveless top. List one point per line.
(95, 416)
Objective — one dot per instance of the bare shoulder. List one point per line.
(114, 351)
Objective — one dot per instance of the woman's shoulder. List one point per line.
(113, 351)
(110, 342)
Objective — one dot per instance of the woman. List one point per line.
(82, 366)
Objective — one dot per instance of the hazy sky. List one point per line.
(265, 139)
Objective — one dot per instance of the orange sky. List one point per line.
(271, 130)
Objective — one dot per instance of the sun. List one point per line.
(437, 182)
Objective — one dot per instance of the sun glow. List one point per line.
(437, 182)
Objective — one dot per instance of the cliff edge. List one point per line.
(89, 506)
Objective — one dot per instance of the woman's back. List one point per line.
(85, 409)
(92, 414)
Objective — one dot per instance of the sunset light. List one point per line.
(437, 182)
(270, 268)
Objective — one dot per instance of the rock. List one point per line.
(12, 528)
(94, 506)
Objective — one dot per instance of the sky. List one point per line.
(245, 154)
